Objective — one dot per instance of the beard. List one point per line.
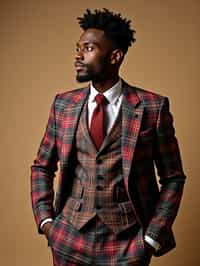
(91, 73)
(83, 78)
(90, 76)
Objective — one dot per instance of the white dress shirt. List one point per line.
(114, 97)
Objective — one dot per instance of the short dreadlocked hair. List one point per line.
(116, 28)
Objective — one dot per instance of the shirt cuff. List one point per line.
(45, 221)
(152, 242)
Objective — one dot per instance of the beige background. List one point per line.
(37, 49)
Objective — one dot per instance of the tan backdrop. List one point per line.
(37, 50)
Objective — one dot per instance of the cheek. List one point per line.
(101, 64)
(94, 66)
(96, 62)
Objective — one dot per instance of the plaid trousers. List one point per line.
(96, 244)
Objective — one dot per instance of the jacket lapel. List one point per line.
(71, 117)
(132, 112)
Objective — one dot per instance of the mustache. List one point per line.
(79, 63)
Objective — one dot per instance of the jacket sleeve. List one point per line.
(43, 172)
(170, 171)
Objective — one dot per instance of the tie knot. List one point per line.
(100, 99)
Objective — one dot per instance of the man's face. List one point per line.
(92, 61)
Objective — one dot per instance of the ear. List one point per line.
(116, 57)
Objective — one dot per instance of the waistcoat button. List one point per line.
(100, 177)
(99, 161)
(99, 187)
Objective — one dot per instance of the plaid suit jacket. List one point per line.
(148, 139)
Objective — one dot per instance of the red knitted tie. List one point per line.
(97, 128)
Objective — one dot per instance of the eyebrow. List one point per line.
(86, 42)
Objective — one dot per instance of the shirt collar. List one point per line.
(112, 94)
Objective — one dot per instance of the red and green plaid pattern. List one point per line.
(147, 138)
(95, 244)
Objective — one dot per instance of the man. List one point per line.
(107, 137)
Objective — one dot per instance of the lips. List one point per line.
(79, 65)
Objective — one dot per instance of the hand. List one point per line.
(150, 250)
(46, 228)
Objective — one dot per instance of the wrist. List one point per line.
(46, 228)
(148, 246)
(151, 242)
(45, 221)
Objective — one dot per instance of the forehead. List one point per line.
(93, 36)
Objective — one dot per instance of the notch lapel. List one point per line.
(71, 117)
(132, 112)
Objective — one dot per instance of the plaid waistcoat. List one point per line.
(98, 186)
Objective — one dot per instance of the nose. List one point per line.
(79, 55)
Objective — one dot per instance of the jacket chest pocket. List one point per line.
(146, 136)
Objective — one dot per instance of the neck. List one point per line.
(103, 86)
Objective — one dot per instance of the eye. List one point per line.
(89, 48)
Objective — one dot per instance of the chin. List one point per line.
(85, 78)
